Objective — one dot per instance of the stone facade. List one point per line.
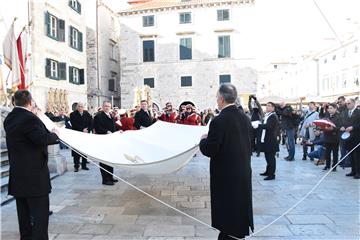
(44, 47)
(108, 57)
(204, 67)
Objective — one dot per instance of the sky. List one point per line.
(283, 28)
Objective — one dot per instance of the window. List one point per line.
(74, 4)
(223, 15)
(76, 76)
(185, 48)
(224, 47)
(55, 70)
(112, 82)
(224, 79)
(54, 27)
(185, 18)
(149, 82)
(113, 51)
(148, 21)
(76, 39)
(186, 81)
(148, 51)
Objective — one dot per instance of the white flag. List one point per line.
(11, 59)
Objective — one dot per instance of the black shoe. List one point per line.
(311, 159)
(290, 159)
(286, 158)
(85, 168)
(304, 158)
(357, 176)
(51, 213)
(258, 155)
(76, 170)
(114, 180)
(264, 174)
(352, 174)
(326, 168)
(271, 177)
(109, 183)
(334, 170)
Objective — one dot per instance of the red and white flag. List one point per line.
(11, 58)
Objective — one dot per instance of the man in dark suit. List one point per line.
(229, 148)
(143, 118)
(352, 125)
(29, 182)
(81, 121)
(104, 124)
(268, 140)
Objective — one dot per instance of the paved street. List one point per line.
(85, 209)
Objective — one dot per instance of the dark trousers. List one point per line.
(77, 161)
(290, 133)
(305, 149)
(334, 149)
(270, 163)
(33, 217)
(105, 175)
(355, 161)
(223, 236)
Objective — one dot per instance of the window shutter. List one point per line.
(48, 68)
(47, 24)
(71, 36)
(80, 36)
(61, 30)
(81, 76)
(71, 75)
(62, 71)
(70, 3)
(78, 7)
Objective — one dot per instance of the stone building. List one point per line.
(103, 61)
(59, 59)
(184, 50)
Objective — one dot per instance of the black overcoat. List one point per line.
(270, 144)
(143, 119)
(79, 123)
(103, 124)
(27, 139)
(353, 121)
(228, 146)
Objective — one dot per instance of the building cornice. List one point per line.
(178, 6)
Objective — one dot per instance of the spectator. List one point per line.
(288, 126)
(317, 142)
(306, 128)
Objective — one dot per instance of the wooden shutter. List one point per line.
(71, 36)
(62, 71)
(47, 24)
(61, 30)
(48, 68)
(81, 76)
(78, 7)
(80, 41)
(71, 78)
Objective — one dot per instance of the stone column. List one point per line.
(57, 163)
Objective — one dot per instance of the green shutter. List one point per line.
(71, 75)
(47, 24)
(61, 30)
(81, 76)
(62, 71)
(79, 7)
(70, 36)
(48, 68)
(80, 43)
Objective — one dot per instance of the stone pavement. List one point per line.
(85, 209)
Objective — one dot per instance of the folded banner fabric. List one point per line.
(159, 149)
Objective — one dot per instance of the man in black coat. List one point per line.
(351, 124)
(143, 117)
(81, 121)
(288, 126)
(29, 181)
(229, 148)
(104, 124)
(268, 140)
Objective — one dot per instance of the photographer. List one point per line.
(256, 114)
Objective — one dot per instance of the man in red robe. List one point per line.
(169, 114)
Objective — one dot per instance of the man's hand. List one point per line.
(109, 132)
(342, 129)
(349, 129)
(204, 136)
(85, 130)
(56, 131)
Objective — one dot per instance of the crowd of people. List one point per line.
(325, 141)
